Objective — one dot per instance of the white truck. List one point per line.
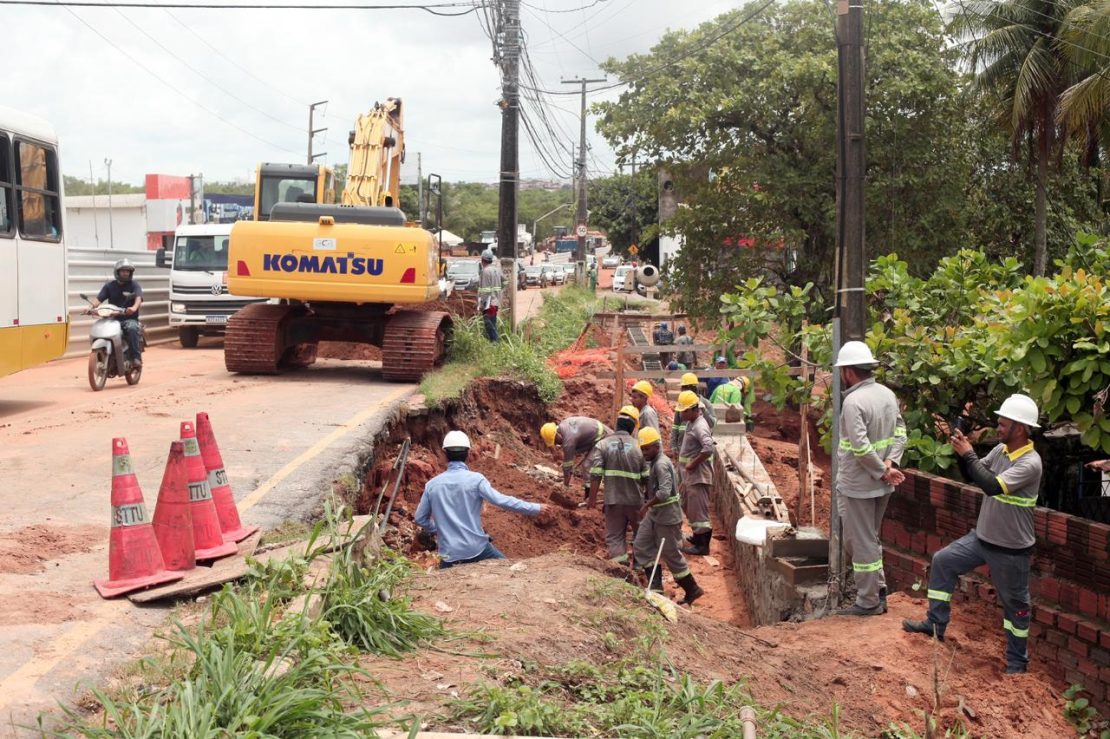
(199, 301)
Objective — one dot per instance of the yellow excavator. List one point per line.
(341, 272)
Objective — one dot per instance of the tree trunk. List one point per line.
(1040, 252)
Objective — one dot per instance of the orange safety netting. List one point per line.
(572, 362)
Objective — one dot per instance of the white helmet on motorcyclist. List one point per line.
(123, 265)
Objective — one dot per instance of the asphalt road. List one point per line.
(284, 440)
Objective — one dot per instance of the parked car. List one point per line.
(569, 270)
(622, 279)
(611, 261)
(534, 275)
(555, 274)
(465, 273)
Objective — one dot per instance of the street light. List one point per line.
(545, 215)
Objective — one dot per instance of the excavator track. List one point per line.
(415, 342)
(253, 342)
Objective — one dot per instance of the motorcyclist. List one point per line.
(127, 294)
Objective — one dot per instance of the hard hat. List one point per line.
(689, 379)
(663, 325)
(648, 436)
(547, 433)
(718, 360)
(1020, 408)
(631, 412)
(122, 265)
(644, 387)
(487, 256)
(743, 381)
(687, 399)
(456, 440)
(855, 354)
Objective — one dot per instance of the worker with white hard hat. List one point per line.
(451, 507)
(489, 293)
(872, 439)
(1003, 537)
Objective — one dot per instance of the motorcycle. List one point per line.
(109, 356)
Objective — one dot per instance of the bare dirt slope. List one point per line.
(554, 609)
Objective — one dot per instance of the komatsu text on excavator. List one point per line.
(340, 272)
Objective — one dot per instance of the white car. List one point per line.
(555, 274)
(611, 261)
(622, 278)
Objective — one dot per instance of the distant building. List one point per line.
(137, 221)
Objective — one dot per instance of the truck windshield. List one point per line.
(277, 189)
(201, 253)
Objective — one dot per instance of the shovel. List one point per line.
(663, 604)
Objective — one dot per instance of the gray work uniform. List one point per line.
(619, 463)
(1002, 539)
(663, 523)
(678, 428)
(649, 417)
(489, 288)
(696, 483)
(871, 431)
(580, 436)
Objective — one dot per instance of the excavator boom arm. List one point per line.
(377, 151)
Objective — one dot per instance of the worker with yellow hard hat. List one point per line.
(576, 437)
(617, 460)
(661, 521)
(678, 427)
(695, 464)
(640, 395)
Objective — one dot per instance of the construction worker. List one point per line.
(640, 394)
(678, 428)
(712, 383)
(731, 392)
(661, 521)
(1003, 537)
(576, 436)
(619, 462)
(451, 508)
(695, 460)
(688, 358)
(489, 294)
(872, 439)
(662, 336)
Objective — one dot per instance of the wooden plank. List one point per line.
(618, 395)
(639, 317)
(702, 374)
(674, 348)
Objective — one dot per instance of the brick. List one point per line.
(1078, 647)
(1044, 615)
(1104, 607)
(1036, 630)
(1067, 623)
(1056, 637)
(1050, 588)
(1087, 631)
(1104, 639)
(1088, 668)
(1073, 676)
(1104, 675)
(1100, 657)
(1068, 660)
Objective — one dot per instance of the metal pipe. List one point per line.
(402, 461)
(747, 716)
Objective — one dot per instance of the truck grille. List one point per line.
(211, 308)
(199, 289)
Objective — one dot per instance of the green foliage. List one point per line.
(79, 186)
(626, 208)
(975, 331)
(1082, 715)
(471, 207)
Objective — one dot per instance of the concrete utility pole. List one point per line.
(420, 189)
(510, 159)
(580, 227)
(313, 131)
(111, 226)
(851, 163)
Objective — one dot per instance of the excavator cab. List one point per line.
(291, 183)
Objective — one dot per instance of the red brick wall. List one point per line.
(1070, 583)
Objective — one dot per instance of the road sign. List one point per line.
(581, 230)
(633, 250)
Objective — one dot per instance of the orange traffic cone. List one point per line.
(228, 514)
(173, 518)
(134, 560)
(207, 537)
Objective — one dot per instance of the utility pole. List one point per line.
(580, 227)
(420, 189)
(313, 131)
(111, 226)
(96, 229)
(510, 154)
(850, 321)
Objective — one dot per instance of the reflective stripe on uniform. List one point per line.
(680, 575)
(599, 471)
(940, 595)
(489, 290)
(600, 431)
(877, 446)
(701, 525)
(668, 501)
(1019, 633)
(1020, 501)
(568, 465)
(867, 567)
(679, 427)
(621, 559)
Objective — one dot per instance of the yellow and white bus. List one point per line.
(34, 324)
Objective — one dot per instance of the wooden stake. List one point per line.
(618, 387)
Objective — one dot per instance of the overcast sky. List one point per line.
(141, 87)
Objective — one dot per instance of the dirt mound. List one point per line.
(551, 610)
(40, 607)
(28, 550)
(348, 350)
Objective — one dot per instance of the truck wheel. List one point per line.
(189, 336)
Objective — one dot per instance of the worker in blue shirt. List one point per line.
(711, 383)
(451, 507)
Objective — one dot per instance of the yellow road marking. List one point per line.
(351, 423)
(63, 646)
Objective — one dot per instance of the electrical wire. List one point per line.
(569, 10)
(429, 8)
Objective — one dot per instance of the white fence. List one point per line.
(89, 269)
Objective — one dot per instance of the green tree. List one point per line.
(747, 124)
(78, 186)
(626, 208)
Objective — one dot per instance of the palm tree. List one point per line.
(1013, 49)
(1085, 106)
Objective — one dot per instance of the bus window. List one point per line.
(37, 187)
(6, 190)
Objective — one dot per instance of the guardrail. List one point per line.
(89, 269)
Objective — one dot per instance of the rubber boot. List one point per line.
(923, 627)
(882, 599)
(690, 587)
(654, 583)
(700, 544)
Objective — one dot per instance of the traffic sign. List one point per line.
(633, 250)
(581, 230)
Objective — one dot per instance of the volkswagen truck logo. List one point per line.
(217, 289)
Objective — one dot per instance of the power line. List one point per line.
(430, 8)
(570, 10)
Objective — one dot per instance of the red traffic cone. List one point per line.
(134, 560)
(207, 537)
(228, 513)
(173, 518)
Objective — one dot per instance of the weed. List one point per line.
(1082, 715)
